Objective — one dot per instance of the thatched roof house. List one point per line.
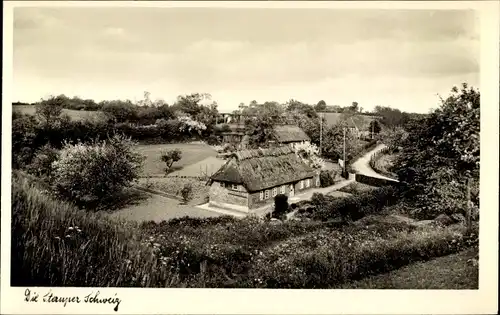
(290, 134)
(283, 134)
(251, 178)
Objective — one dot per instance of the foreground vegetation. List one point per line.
(54, 244)
(457, 271)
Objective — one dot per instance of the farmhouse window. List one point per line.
(261, 195)
(308, 183)
(234, 187)
(301, 184)
(275, 191)
(283, 189)
(267, 194)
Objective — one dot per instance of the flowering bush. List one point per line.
(91, 173)
(309, 153)
(190, 125)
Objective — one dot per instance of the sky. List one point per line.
(398, 58)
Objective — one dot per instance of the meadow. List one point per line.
(74, 114)
(192, 153)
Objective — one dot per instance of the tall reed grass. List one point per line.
(55, 244)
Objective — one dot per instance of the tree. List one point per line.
(260, 121)
(394, 137)
(321, 106)
(49, 110)
(93, 174)
(121, 111)
(333, 142)
(441, 154)
(391, 117)
(354, 107)
(169, 157)
(260, 130)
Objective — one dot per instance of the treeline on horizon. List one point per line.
(147, 111)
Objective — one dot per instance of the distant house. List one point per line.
(252, 178)
(290, 135)
(234, 134)
(283, 134)
(358, 124)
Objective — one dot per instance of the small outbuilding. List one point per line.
(251, 179)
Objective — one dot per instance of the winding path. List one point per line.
(362, 165)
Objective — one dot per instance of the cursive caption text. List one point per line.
(51, 297)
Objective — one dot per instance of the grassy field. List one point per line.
(192, 153)
(452, 271)
(159, 208)
(74, 114)
(173, 186)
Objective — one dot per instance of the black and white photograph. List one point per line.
(268, 147)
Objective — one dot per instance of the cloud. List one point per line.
(234, 54)
(114, 31)
(32, 18)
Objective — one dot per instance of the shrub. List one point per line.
(353, 207)
(24, 134)
(326, 178)
(169, 157)
(42, 164)
(187, 192)
(280, 206)
(92, 174)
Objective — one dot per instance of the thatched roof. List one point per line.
(263, 168)
(290, 133)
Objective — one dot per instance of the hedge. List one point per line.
(353, 207)
(375, 181)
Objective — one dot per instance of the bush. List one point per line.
(92, 174)
(326, 178)
(280, 206)
(353, 207)
(42, 164)
(187, 192)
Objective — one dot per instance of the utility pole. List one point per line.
(321, 134)
(344, 154)
(468, 218)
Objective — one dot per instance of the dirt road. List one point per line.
(362, 165)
